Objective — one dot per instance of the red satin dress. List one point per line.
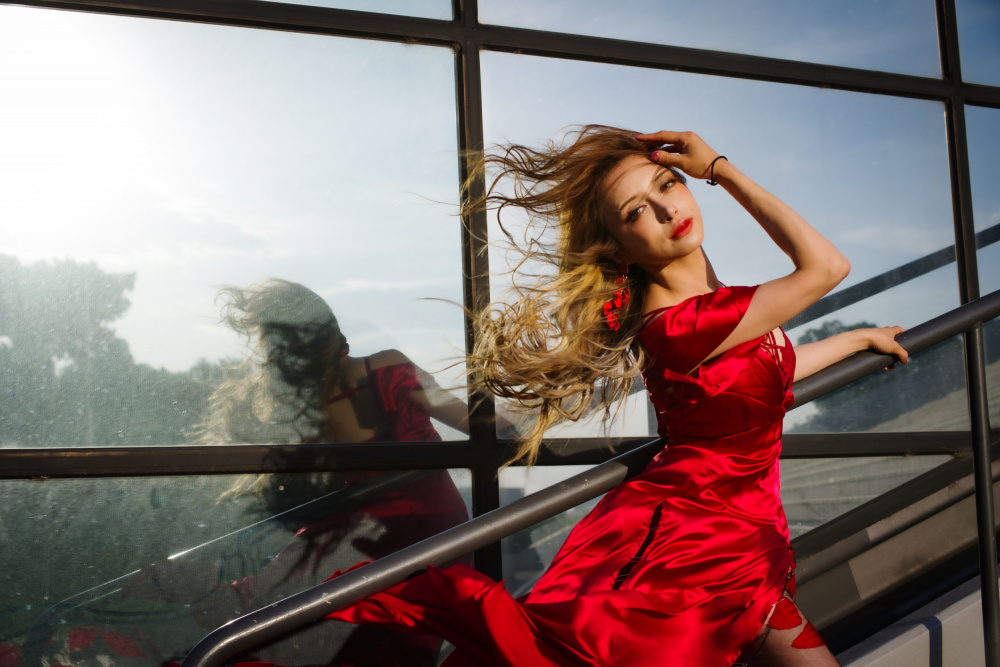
(678, 566)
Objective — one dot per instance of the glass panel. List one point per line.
(431, 9)
(635, 420)
(891, 36)
(148, 163)
(869, 171)
(123, 567)
(991, 333)
(991, 336)
(528, 553)
(928, 394)
(983, 129)
(813, 491)
(978, 27)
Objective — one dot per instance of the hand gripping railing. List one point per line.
(302, 608)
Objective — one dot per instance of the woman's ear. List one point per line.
(619, 257)
(614, 251)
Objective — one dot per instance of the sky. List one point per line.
(887, 35)
(198, 156)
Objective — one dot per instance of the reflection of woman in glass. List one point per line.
(689, 563)
(301, 384)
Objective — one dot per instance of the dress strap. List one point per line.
(341, 396)
(350, 392)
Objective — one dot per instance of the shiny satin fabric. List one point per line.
(678, 566)
(406, 419)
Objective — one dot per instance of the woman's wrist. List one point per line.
(861, 339)
(722, 171)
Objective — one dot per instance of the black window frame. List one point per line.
(485, 452)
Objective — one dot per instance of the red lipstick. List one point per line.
(682, 228)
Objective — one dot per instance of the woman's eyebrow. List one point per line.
(654, 179)
(628, 202)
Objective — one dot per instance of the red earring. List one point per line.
(612, 308)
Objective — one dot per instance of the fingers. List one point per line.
(901, 354)
(670, 142)
(884, 341)
(682, 150)
(898, 351)
(668, 157)
(662, 137)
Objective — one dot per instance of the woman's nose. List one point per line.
(667, 211)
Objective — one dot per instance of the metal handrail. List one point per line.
(891, 278)
(913, 340)
(302, 608)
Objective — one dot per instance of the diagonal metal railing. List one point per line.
(886, 281)
(302, 608)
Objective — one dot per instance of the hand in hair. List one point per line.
(682, 150)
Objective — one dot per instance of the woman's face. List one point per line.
(651, 214)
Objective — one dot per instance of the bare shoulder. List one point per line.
(388, 358)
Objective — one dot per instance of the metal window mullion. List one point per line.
(79, 462)
(271, 15)
(475, 261)
(476, 270)
(486, 498)
(985, 519)
(975, 362)
(371, 25)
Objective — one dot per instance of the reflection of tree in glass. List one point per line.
(68, 380)
(880, 397)
(294, 532)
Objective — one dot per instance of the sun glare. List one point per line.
(69, 127)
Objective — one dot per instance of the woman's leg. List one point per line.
(789, 640)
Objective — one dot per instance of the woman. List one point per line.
(687, 564)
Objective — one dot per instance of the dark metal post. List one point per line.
(985, 520)
(482, 431)
(975, 365)
(488, 558)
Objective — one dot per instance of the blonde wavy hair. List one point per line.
(550, 351)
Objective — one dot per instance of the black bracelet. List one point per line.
(711, 176)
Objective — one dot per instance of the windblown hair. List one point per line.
(276, 395)
(550, 350)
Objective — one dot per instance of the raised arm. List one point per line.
(813, 357)
(818, 265)
(439, 404)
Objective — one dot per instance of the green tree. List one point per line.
(880, 397)
(830, 328)
(68, 380)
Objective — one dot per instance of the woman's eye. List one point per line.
(667, 184)
(634, 214)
